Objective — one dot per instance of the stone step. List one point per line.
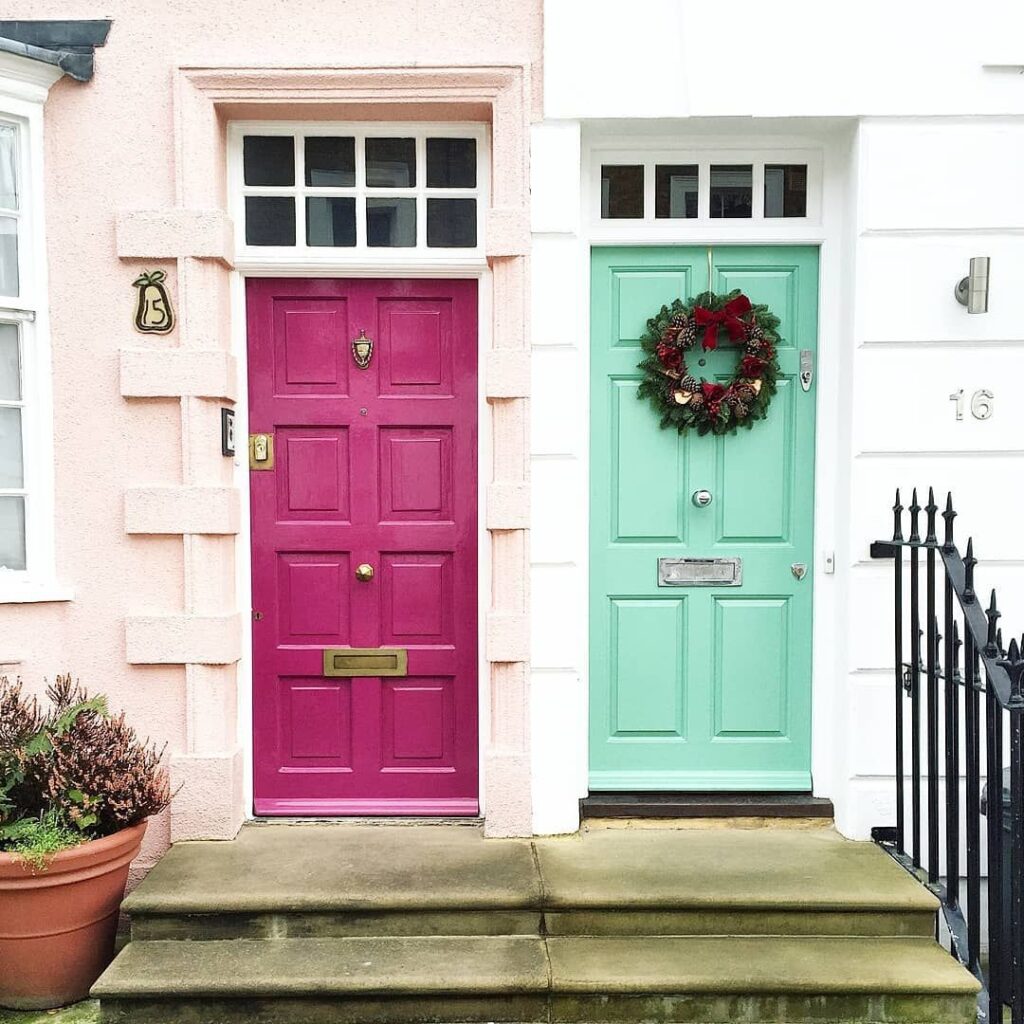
(363, 881)
(571, 979)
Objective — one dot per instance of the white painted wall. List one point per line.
(921, 121)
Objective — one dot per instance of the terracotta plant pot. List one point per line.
(57, 927)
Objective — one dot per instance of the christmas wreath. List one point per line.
(688, 403)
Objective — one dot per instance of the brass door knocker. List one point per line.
(362, 350)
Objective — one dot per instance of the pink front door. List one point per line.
(377, 468)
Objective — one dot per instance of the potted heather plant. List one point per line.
(77, 786)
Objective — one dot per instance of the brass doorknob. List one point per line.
(364, 572)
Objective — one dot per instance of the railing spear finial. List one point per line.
(969, 563)
(992, 614)
(931, 508)
(949, 515)
(915, 511)
(897, 519)
(1013, 662)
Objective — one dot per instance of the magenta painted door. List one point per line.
(372, 467)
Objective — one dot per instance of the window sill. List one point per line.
(33, 592)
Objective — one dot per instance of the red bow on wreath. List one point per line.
(713, 396)
(728, 317)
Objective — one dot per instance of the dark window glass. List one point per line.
(451, 223)
(269, 220)
(391, 222)
(785, 190)
(330, 220)
(268, 159)
(732, 190)
(451, 163)
(330, 161)
(675, 190)
(622, 191)
(390, 163)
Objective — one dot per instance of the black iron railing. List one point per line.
(958, 701)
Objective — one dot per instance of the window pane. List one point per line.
(732, 190)
(451, 223)
(675, 190)
(8, 256)
(10, 363)
(390, 163)
(451, 163)
(391, 222)
(785, 190)
(8, 173)
(330, 161)
(12, 473)
(268, 159)
(330, 220)
(12, 532)
(622, 191)
(269, 220)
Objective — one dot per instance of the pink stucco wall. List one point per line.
(114, 146)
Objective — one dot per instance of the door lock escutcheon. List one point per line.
(702, 498)
(799, 569)
(261, 451)
(364, 572)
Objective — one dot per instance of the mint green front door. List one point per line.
(700, 688)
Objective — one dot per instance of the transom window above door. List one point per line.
(673, 190)
(330, 192)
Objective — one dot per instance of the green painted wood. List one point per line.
(703, 688)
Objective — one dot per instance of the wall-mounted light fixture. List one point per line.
(972, 291)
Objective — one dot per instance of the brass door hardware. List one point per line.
(261, 451)
(364, 572)
(362, 350)
(366, 661)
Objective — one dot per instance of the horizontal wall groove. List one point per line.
(965, 453)
(915, 232)
(918, 343)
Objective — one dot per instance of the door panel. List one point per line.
(377, 466)
(699, 687)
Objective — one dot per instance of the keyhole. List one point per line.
(362, 412)
(702, 361)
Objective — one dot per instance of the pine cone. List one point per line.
(742, 411)
(690, 383)
(688, 334)
(697, 401)
(744, 393)
(679, 320)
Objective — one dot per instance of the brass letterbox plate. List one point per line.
(366, 661)
(700, 572)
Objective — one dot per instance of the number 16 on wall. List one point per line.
(981, 403)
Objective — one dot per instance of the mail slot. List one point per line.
(700, 572)
(366, 661)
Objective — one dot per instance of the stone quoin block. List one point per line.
(181, 510)
(508, 231)
(169, 234)
(508, 506)
(508, 637)
(208, 802)
(507, 373)
(178, 373)
(183, 639)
